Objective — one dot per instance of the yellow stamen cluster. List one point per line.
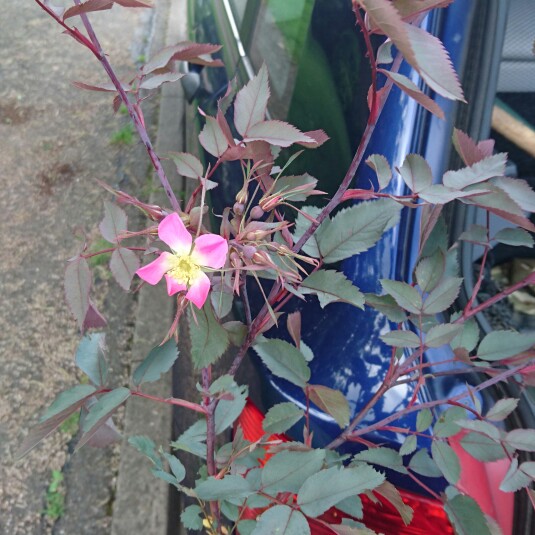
(184, 270)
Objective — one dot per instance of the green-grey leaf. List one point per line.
(90, 357)
(446, 460)
(469, 335)
(356, 229)
(416, 173)
(446, 425)
(499, 345)
(502, 409)
(246, 527)
(514, 236)
(466, 515)
(146, 447)
(328, 487)
(424, 420)
(514, 479)
(382, 456)
(66, 399)
(281, 417)
(482, 448)
(401, 339)
(104, 407)
(191, 517)
(281, 520)
(192, 439)
(302, 224)
(442, 296)
(237, 332)
(229, 409)
(284, 360)
(382, 169)
(442, 334)
(220, 489)
(475, 234)
(286, 183)
(209, 340)
(409, 445)
(480, 426)
(351, 506)
(387, 305)
(429, 271)
(332, 286)
(521, 439)
(422, 464)
(158, 362)
(176, 467)
(331, 401)
(287, 470)
(405, 295)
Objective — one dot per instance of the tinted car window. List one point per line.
(318, 76)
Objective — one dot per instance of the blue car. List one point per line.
(319, 78)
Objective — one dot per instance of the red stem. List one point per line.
(171, 401)
(93, 44)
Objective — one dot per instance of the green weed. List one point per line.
(55, 497)
(123, 136)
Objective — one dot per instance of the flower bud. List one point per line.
(257, 212)
(269, 203)
(249, 251)
(238, 208)
(242, 195)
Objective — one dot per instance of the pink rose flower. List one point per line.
(183, 268)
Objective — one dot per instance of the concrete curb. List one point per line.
(142, 501)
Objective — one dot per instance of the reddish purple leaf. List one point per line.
(225, 128)
(319, 137)
(213, 138)
(88, 7)
(77, 286)
(293, 324)
(411, 89)
(251, 103)
(133, 3)
(277, 133)
(105, 87)
(159, 79)
(184, 51)
(421, 50)
(467, 148)
(114, 222)
(187, 164)
(433, 63)
(124, 264)
(93, 319)
(78, 395)
(409, 9)
(104, 436)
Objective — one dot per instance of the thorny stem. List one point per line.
(427, 405)
(171, 401)
(94, 46)
(479, 281)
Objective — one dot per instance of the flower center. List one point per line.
(184, 269)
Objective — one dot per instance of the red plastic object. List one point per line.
(429, 515)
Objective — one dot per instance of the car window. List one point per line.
(238, 8)
(319, 76)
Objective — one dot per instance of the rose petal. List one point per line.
(199, 289)
(173, 286)
(153, 272)
(172, 231)
(210, 250)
